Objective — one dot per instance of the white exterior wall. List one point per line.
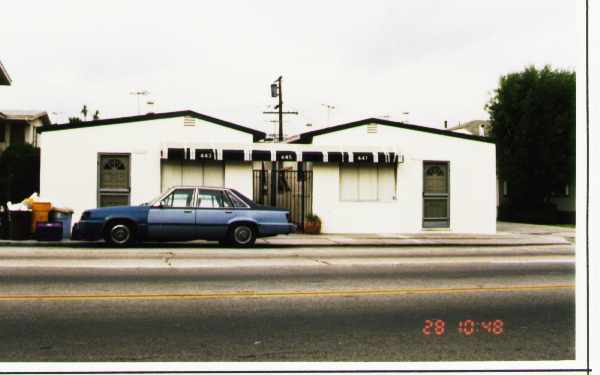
(238, 175)
(69, 170)
(472, 166)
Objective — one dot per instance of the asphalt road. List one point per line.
(340, 309)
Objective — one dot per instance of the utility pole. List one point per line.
(280, 107)
(277, 92)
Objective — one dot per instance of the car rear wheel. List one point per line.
(119, 234)
(242, 235)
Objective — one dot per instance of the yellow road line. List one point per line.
(258, 294)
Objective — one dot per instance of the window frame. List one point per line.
(197, 200)
(378, 190)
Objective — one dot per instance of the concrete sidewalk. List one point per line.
(350, 240)
(509, 234)
(218, 258)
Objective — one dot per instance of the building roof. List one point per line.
(4, 77)
(25, 115)
(308, 136)
(153, 116)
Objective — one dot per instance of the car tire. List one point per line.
(119, 234)
(242, 235)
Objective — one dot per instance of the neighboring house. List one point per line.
(19, 127)
(369, 176)
(481, 128)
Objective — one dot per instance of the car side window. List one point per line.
(237, 202)
(213, 199)
(179, 198)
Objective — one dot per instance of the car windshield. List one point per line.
(154, 200)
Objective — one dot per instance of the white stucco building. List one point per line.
(446, 181)
(369, 176)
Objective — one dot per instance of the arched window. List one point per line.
(113, 164)
(435, 170)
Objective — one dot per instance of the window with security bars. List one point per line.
(436, 197)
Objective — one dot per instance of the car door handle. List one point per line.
(228, 212)
(187, 211)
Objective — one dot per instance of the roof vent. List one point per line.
(189, 121)
(372, 128)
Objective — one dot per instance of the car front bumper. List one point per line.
(88, 230)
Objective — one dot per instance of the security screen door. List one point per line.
(113, 180)
(436, 197)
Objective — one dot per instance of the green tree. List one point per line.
(533, 122)
(19, 177)
(20, 172)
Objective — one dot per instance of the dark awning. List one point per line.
(282, 152)
(176, 154)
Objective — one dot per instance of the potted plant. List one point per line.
(312, 224)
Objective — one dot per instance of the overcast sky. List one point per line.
(437, 60)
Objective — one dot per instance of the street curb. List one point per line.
(287, 246)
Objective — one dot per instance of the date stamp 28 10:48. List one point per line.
(468, 327)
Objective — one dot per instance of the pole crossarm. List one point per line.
(283, 113)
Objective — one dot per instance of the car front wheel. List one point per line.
(119, 234)
(242, 235)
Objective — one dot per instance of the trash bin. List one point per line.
(48, 231)
(19, 225)
(39, 213)
(62, 215)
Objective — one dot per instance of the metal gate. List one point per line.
(293, 192)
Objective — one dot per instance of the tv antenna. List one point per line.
(138, 94)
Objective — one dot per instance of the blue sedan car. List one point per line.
(186, 213)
